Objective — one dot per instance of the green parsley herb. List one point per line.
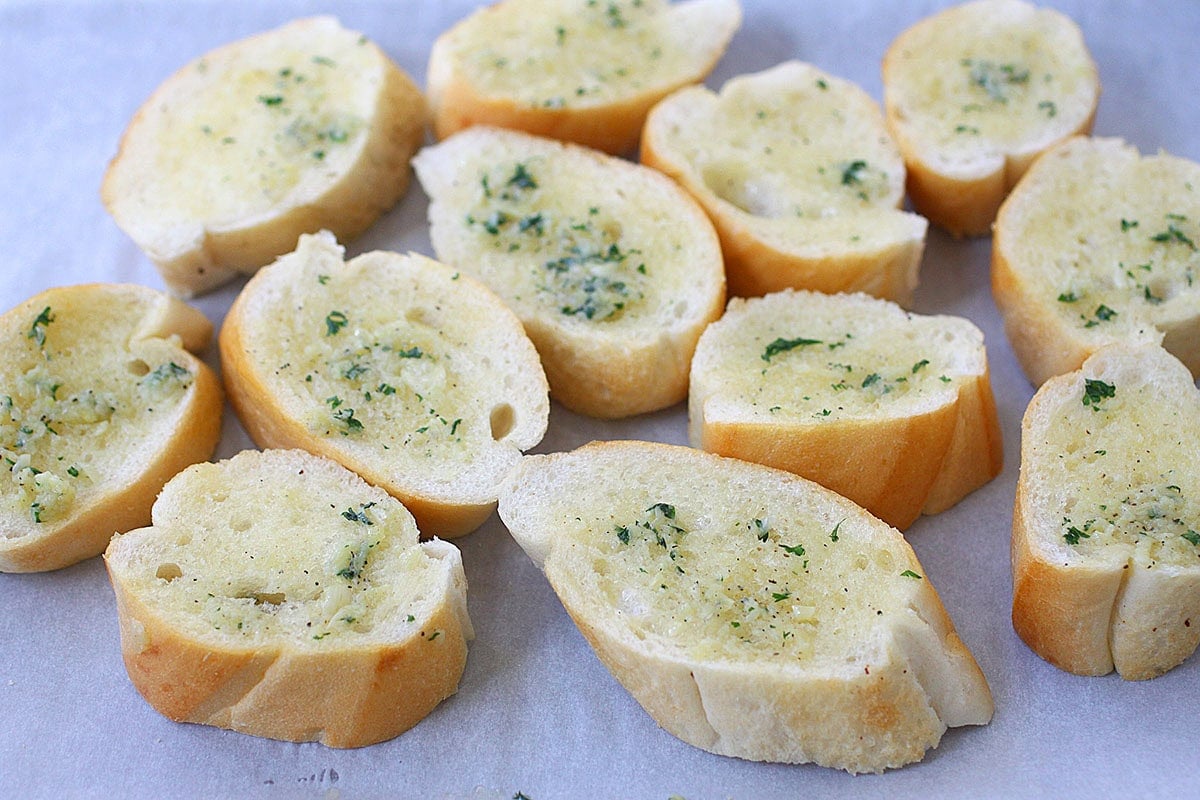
(1095, 392)
(782, 345)
(908, 573)
(334, 322)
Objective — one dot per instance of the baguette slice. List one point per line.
(1105, 548)
(891, 409)
(798, 173)
(100, 404)
(279, 595)
(574, 70)
(751, 613)
(305, 127)
(613, 269)
(1098, 245)
(412, 375)
(974, 94)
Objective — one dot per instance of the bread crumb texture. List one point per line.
(801, 177)
(1099, 245)
(752, 613)
(891, 409)
(551, 67)
(306, 126)
(96, 388)
(397, 366)
(612, 268)
(1110, 509)
(279, 570)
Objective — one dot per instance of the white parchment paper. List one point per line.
(536, 712)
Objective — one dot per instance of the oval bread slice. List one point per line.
(279, 595)
(409, 373)
(801, 178)
(1106, 525)
(575, 70)
(100, 404)
(1099, 245)
(751, 612)
(305, 127)
(613, 269)
(974, 94)
(894, 410)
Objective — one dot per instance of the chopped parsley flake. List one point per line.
(1095, 392)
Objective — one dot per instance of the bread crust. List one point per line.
(1116, 607)
(963, 194)
(613, 126)
(898, 464)
(449, 509)
(198, 253)
(770, 252)
(123, 504)
(355, 694)
(881, 707)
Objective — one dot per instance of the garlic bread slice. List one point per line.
(277, 594)
(752, 613)
(406, 371)
(101, 402)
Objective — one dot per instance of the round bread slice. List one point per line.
(279, 595)
(613, 269)
(306, 127)
(752, 613)
(1106, 525)
(801, 178)
(974, 94)
(409, 373)
(1099, 245)
(891, 409)
(576, 70)
(100, 404)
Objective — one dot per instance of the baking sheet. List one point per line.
(536, 712)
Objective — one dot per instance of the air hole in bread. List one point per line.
(680, 309)
(138, 367)
(183, 540)
(168, 572)
(503, 420)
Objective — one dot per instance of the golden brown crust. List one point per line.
(346, 698)
(898, 464)
(1055, 606)
(613, 126)
(883, 465)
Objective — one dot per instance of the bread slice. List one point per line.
(894, 410)
(1105, 548)
(305, 127)
(798, 173)
(277, 594)
(576, 70)
(751, 613)
(100, 404)
(406, 371)
(613, 269)
(1098, 245)
(974, 94)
